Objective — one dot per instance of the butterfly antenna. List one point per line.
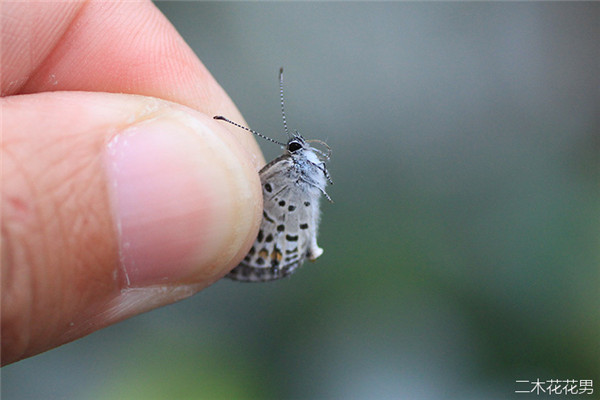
(222, 118)
(281, 97)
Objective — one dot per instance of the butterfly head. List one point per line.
(296, 145)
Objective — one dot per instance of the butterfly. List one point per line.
(292, 186)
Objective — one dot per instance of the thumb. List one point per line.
(113, 205)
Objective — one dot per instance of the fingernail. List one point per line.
(182, 198)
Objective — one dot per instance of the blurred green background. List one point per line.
(462, 252)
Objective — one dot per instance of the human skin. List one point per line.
(120, 193)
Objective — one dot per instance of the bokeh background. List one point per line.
(462, 252)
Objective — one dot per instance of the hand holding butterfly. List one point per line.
(120, 193)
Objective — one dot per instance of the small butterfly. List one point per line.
(292, 186)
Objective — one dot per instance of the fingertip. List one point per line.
(185, 199)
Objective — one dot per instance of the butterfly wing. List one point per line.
(287, 235)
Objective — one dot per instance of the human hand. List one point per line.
(120, 193)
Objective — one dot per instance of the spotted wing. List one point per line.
(287, 234)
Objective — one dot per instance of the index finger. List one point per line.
(118, 47)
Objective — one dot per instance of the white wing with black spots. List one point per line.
(287, 235)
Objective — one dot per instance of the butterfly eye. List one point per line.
(294, 147)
